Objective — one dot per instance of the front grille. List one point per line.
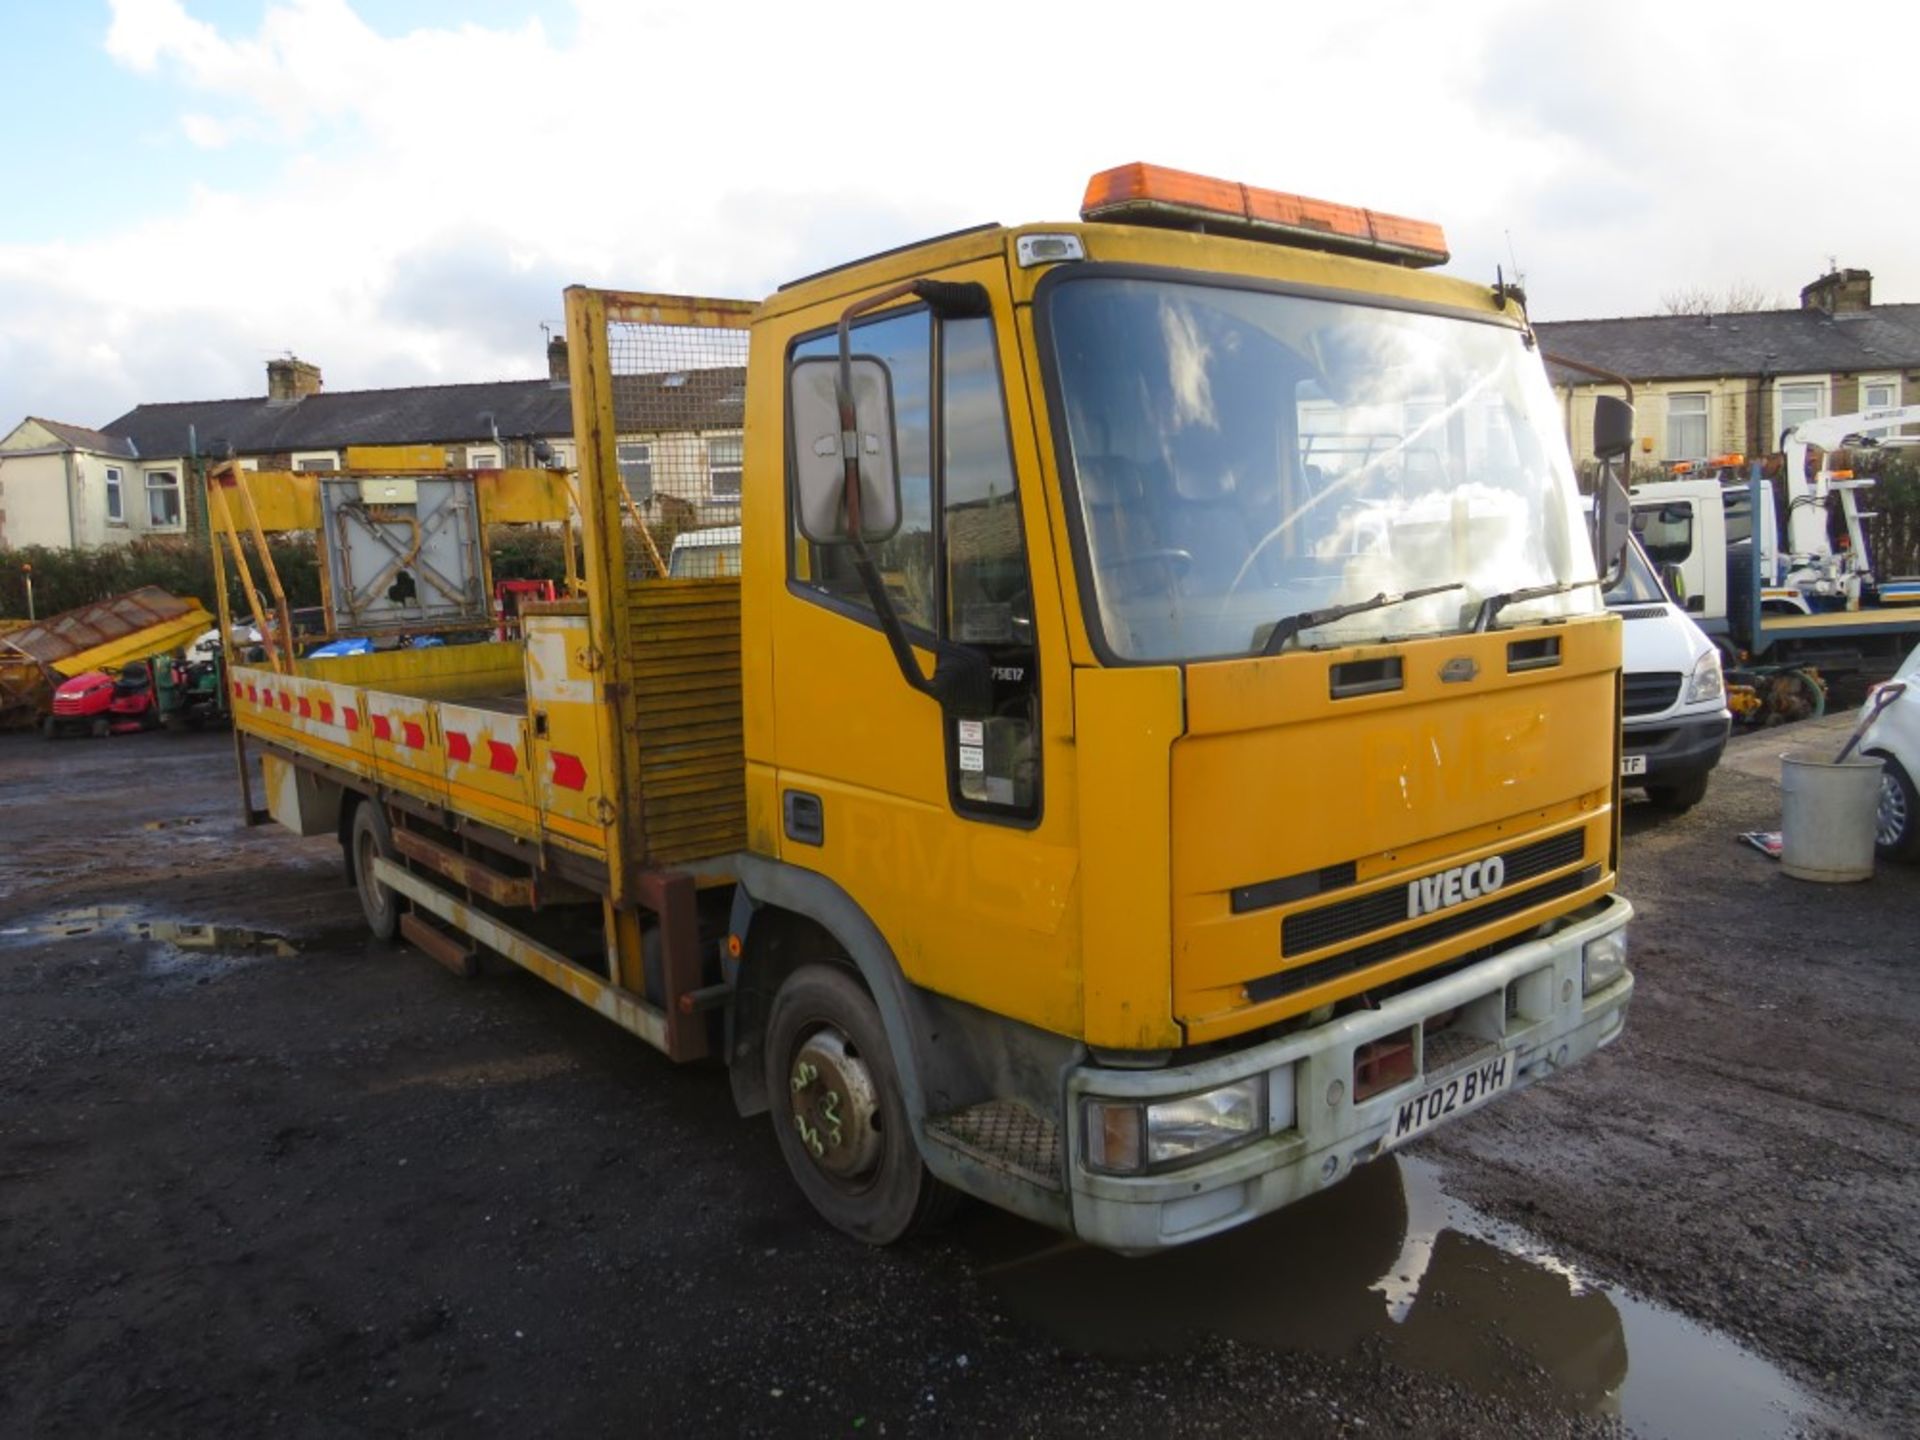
(1454, 922)
(1652, 692)
(1649, 612)
(1312, 930)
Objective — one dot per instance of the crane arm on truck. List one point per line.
(1807, 497)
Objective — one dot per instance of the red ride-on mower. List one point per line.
(102, 703)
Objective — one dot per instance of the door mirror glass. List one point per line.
(820, 474)
(1612, 524)
(1674, 579)
(1612, 427)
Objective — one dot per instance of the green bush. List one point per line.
(63, 579)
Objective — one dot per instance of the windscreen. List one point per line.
(1240, 457)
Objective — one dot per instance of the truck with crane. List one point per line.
(1785, 610)
(1160, 749)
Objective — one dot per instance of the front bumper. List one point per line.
(1324, 1133)
(1678, 748)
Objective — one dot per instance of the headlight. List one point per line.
(1127, 1137)
(1705, 683)
(1604, 961)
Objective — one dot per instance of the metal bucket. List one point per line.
(1828, 815)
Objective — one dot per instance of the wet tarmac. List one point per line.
(129, 922)
(1388, 1258)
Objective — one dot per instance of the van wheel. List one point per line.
(839, 1114)
(372, 839)
(1678, 799)
(1897, 822)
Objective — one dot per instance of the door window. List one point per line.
(1666, 531)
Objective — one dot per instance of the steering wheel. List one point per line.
(1177, 564)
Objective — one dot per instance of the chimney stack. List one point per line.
(557, 373)
(292, 379)
(1839, 292)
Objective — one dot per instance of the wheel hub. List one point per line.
(835, 1105)
(1893, 811)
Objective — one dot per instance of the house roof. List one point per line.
(428, 414)
(81, 438)
(1776, 342)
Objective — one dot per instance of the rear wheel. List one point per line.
(1682, 797)
(839, 1113)
(1897, 822)
(370, 839)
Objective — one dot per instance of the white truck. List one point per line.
(1675, 716)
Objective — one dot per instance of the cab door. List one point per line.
(948, 823)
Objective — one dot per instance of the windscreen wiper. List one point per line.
(1494, 604)
(1285, 630)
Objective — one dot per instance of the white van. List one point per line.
(1676, 717)
(705, 553)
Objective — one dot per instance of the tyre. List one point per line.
(839, 1114)
(101, 728)
(1897, 824)
(50, 728)
(1681, 797)
(371, 839)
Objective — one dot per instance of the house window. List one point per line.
(163, 500)
(482, 458)
(317, 460)
(636, 469)
(723, 468)
(1879, 392)
(563, 454)
(1800, 403)
(116, 507)
(1687, 426)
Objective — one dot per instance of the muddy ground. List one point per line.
(328, 1189)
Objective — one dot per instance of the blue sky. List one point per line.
(398, 192)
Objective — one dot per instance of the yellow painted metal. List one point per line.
(161, 639)
(572, 758)
(401, 457)
(619, 1005)
(1128, 722)
(989, 914)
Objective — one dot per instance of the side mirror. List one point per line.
(1674, 581)
(1612, 524)
(820, 472)
(1612, 427)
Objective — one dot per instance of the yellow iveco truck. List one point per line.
(1155, 749)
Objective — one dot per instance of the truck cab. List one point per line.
(1674, 713)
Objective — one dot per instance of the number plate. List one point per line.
(1469, 1089)
(1633, 764)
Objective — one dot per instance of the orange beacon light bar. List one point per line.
(1140, 194)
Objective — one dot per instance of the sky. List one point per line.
(398, 192)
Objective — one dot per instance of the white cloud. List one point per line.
(432, 191)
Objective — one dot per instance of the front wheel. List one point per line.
(1897, 821)
(1681, 797)
(839, 1114)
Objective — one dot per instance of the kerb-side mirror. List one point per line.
(819, 466)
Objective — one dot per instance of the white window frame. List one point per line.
(116, 496)
(563, 454)
(483, 457)
(735, 468)
(249, 464)
(1675, 451)
(1823, 406)
(314, 460)
(622, 459)
(1892, 382)
(170, 483)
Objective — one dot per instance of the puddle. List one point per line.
(124, 922)
(1389, 1257)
